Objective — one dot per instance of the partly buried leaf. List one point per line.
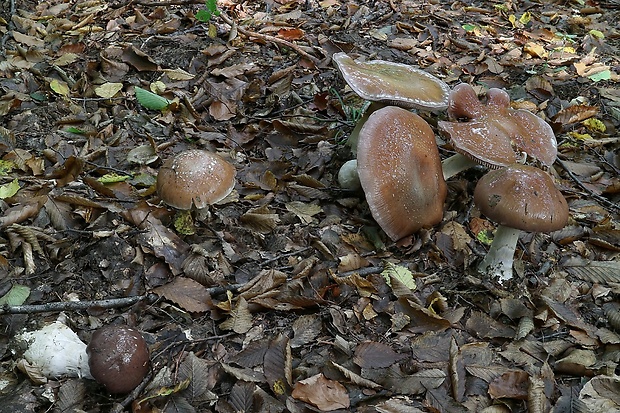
(150, 100)
(108, 90)
(17, 295)
(400, 273)
(304, 211)
(277, 365)
(373, 355)
(512, 384)
(239, 319)
(260, 219)
(10, 189)
(305, 329)
(321, 392)
(604, 272)
(164, 242)
(186, 293)
(242, 396)
(197, 371)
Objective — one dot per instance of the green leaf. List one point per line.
(150, 100)
(399, 272)
(208, 12)
(10, 189)
(113, 178)
(6, 166)
(77, 131)
(597, 34)
(17, 295)
(469, 27)
(603, 75)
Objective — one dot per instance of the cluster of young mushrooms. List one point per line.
(401, 173)
(398, 164)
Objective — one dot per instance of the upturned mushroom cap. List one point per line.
(400, 171)
(195, 177)
(494, 134)
(393, 83)
(521, 197)
(118, 358)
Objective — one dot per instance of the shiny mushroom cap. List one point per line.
(494, 134)
(400, 171)
(393, 83)
(522, 197)
(118, 358)
(195, 177)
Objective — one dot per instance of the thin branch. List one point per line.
(109, 303)
(268, 38)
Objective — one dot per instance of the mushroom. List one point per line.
(400, 171)
(493, 135)
(519, 198)
(118, 358)
(387, 83)
(194, 178)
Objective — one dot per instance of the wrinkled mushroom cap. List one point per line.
(393, 83)
(195, 177)
(522, 197)
(494, 134)
(400, 171)
(118, 358)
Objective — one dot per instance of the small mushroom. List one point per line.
(493, 135)
(195, 178)
(118, 358)
(400, 171)
(519, 198)
(387, 83)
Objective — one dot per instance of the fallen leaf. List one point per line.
(321, 392)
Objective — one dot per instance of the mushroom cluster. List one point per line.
(493, 135)
(399, 168)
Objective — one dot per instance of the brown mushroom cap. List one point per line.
(521, 197)
(118, 358)
(494, 134)
(195, 177)
(400, 171)
(393, 83)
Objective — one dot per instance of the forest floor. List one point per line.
(288, 296)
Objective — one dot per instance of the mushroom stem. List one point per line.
(499, 259)
(455, 164)
(354, 136)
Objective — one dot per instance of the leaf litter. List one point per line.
(289, 297)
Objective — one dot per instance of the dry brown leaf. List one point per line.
(240, 319)
(187, 293)
(373, 355)
(456, 368)
(277, 365)
(222, 110)
(321, 392)
(305, 329)
(512, 385)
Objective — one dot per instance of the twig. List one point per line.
(267, 38)
(109, 303)
(76, 305)
(599, 198)
(120, 407)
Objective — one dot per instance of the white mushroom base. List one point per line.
(499, 259)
